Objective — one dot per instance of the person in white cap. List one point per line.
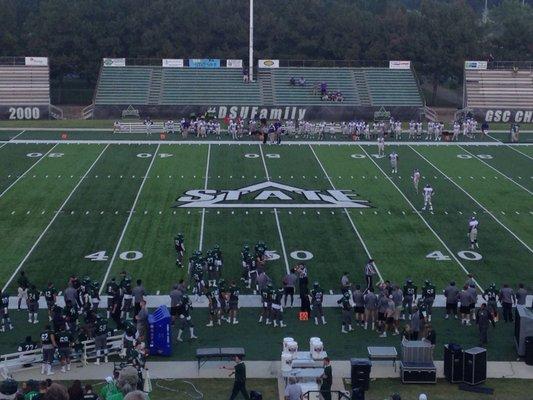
(422, 396)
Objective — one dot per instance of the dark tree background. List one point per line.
(437, 35)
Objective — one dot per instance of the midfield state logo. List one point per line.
(270, 195)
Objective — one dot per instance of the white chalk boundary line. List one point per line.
(202, 224)
(356, 231)
(475, 201)
(450, 252)
(53, 219)
(13, 138)
(130, 214)
(28, 170)
(511, 147)
(245, 301)
(255, 142)
(497, 170)
(280, 233)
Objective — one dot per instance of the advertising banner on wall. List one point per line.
(475, 65)
(268, 64)
(36, 61)
(204, 63)
(399, 64)
(114, 62)
(233, 63)
(172, 63)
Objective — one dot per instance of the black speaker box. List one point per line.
(360, 373)
(453, 363)
(358, 394)
(475, 366)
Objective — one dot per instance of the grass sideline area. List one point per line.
(504, 389)
(265, 342)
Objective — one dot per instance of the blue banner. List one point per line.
(204, 63)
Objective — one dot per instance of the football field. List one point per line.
(96, 208)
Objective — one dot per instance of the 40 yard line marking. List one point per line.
(474, 200)
(276, 216)
(422, 218)
(511, 147)
(53, 219)
(130, 214)
(497, 170)
(347, 213)
(28, 170)
(201, 242)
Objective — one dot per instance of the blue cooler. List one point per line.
(159, 326)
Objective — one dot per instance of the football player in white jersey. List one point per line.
(416, 178)
(472, 232)
(456, 130)
(393, 158)
(428, 194)
(381, 146)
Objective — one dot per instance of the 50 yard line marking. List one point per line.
(201, 242)
(28, 170)
(347, 213)
(128, 220)
(421, 217)
(473, 199)
(53, 219)
(497, 170)
(276, 215)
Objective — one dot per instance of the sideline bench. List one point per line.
(221, 353)
(114, 347)
(16, 361)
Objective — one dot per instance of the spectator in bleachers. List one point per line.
(292, 81)
(301, 81)
(323, 88)
(245, 75)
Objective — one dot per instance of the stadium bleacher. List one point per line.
(24, 85)
(499, 88)
(154, 85)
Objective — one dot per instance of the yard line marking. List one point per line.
(130, 214)
(347, 213)
(53, 219)
(423, 220)
(276, 216)
(511, 147)
(14, 137)
(28, 170)
(201, 242)
(497, 170)
(474, 200)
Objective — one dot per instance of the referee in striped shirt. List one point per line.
(370, 271)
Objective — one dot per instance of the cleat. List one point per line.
(210, 324)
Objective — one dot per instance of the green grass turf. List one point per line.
(504, 195)
(14, 161)
(95, 215)
(264, 342)
(27, 208)
(504, 389)
(107, 195)
(452, 210)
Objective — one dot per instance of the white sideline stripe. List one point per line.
(276, 216)
(28, 170)
(201, 242)
(475, 201)
(511, 147)
(423, 219)
(13, 138)
(130, 214)
(110, 129)
(253, 143)
(497, 170)
(245, 301)
(347, 214)
(53, 219)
